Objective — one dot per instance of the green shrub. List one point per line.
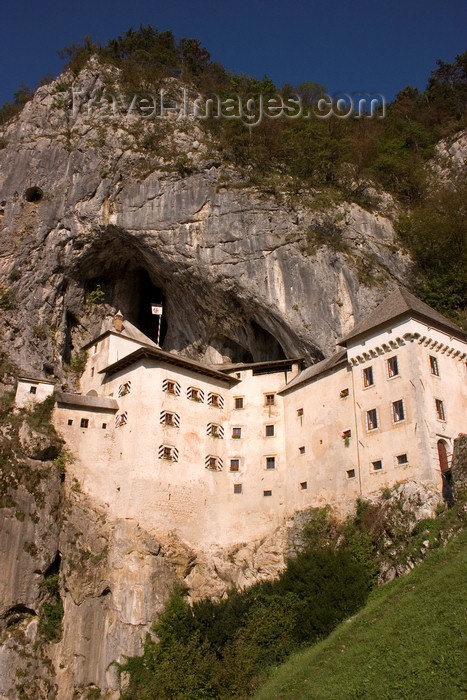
(7, 297)
(97, 296)
(50, 621)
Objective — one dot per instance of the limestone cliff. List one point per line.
(92, 220)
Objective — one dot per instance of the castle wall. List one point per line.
(272, 454)
(327, 471)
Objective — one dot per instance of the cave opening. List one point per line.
(266, 347)
(149, 294)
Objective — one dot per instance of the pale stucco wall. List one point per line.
(121, 468)
(25, 399)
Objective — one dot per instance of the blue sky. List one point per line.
(378, 45)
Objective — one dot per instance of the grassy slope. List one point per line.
(408, 642)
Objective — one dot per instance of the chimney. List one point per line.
(118, 321)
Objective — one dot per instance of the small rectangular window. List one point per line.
(344, 393)
(236, 433)
(267, 493)
(393, 367)
(434, 366)
(299, 412)
(104, 426)
(124, 389)
(84, 423)
(350, 473)
(270, 462)
(237, 488)
(368, 377)
(302, 449)
(170, 386)
(303, 485)
(440, 409)
(377, 466)
(372, 419)
(398, 414)
(234, 465)
(402, 459)
(95, 348)
(33, 390)
(70, 421)
(195, 394)
(92, 371)
(269, 399)
(269, 431)
(239, 402)
(215, 400)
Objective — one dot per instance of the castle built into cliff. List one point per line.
(223, 453)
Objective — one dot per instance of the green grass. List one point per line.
(409, 641)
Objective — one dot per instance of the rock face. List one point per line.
(243, 274)
(92, 221)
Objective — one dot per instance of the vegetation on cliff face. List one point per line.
(225, 649)
(341, 156)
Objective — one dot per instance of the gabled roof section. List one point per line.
(167, 357)
(128, 331)
(338, 358)
(401, 303)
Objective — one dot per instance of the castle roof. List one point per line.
(88, 401)
(159, 355)
(338, 358)
(260, 366)
(128, 331)
(398, 305)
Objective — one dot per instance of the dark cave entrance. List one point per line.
(148, 294)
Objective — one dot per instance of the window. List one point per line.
(372, 419)
(215, 400)
(104, 426)
(84, 423)
(440, 409)
(236, 433)
(377, 466)
(169, 418)
(402, 459)
(299, 412)
(269, 431)
(344, 393)
(92, 371)
(195, 394)
(215, 431)
(393, 367)
(270, 462)
(170, 386)
(303, 485)
(302, 449)
(434, 366)
(213, 463)
(124, 389)
(33, 389)
(267, 493)
(239, 402)
(70, 421)
(350, 473)
(368, 377)
(95, 348)
(269, 399)
(168, 452)
(398, 414)
(234, 465)
(121, 419)
(237, 488)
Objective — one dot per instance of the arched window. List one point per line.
(443, 455)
